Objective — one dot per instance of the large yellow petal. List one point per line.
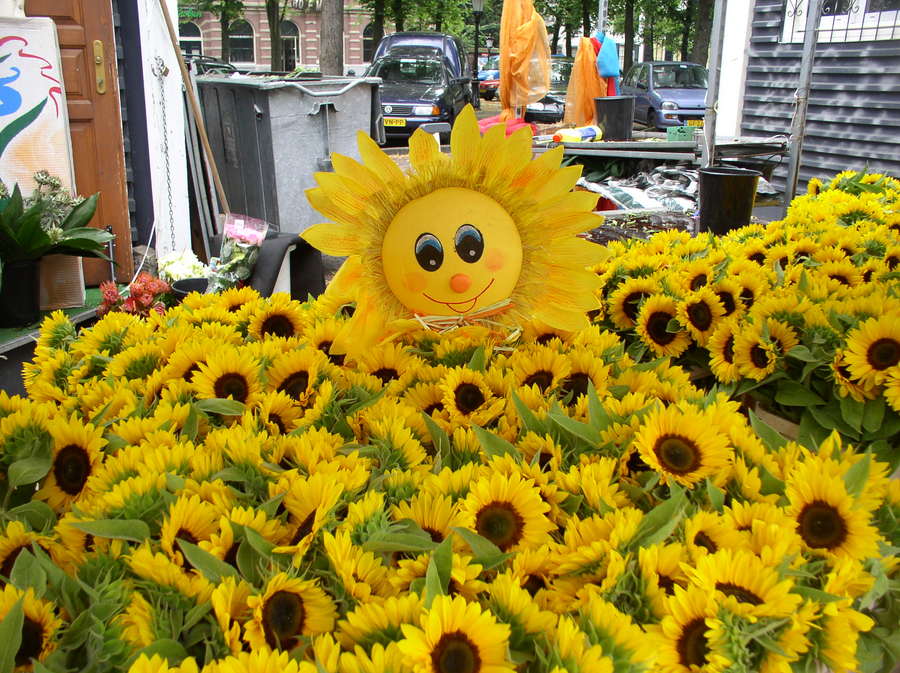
(377, 161)
(363, 331)
(560, 183)
(368, 181)
(333, 239)
(423, 149)
(560, 318)
(465, 138)
(341, 192)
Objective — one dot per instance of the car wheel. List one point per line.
(488, 95)
(651, 119)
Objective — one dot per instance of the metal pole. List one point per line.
(601, 15)
(798, 123)
(712, 91)
(476, 98)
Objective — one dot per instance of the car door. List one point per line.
(642, 101)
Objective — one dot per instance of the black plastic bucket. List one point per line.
(182, 288)
(20, 301)
(615, 115)
(726, 198)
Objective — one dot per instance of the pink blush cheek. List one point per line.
(494, 260)
(415, 282)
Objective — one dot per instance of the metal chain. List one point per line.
(161, 70)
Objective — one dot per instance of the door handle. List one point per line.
(99, 66)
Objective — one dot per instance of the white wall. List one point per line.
(165, 128)
(736, 46)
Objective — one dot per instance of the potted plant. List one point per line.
(24, 240)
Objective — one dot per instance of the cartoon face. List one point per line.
(451, 252)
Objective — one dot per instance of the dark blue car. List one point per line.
(667, 93)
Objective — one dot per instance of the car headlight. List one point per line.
(535, 106)
(669, 105)
(426, 110)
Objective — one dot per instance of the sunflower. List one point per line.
(728, 293)
(538, 366)
(700, 311)
(873, 349)
(380, 659)
(622, 640)
(708, 532)
(826, 516)
(846, 382)
(584, 368)
(56, 331)
(229, 604)
(157, 568)
(682, 638)
(13, 541)
(657, 314)
(77, 453)
(360, 573)
(892, 391)
(489, 224)
(228, 373)
(754, 356)
(468, 398)
(322, 335)
(278, 316)
(188, 519)
(288, 608)
(682, 444)
(39, 625)
(187, 358)
(625, 301)
(752, 286)
(136, 622)
(261, 661)
(463, 575)
(276, 412)
(661, 571)
(369, 624)
(508, 511)
(435, 514)
(571, 652)
(457, 637)
(136, 362)
(513, 605)
(721, 351)
(296, 373)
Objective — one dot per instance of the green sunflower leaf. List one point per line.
(597, 415)
(38, 515)
(580, 430)
(220, 406)
(802, 353)
(494, 445)
(11, 636)
(437, 576)
(390, 541)
(793, 394)
(484, 552)
(658, 523)
(133, 530)
(438, 437)
(29, 470)
(248, 562)
(767, 434)
(873, 414)
(214, 569)
(852, 412)
(815, 594)
(477, 361)
(27, 574)
(716, 496)
(857, 475)
(262, 546)
(529, 420)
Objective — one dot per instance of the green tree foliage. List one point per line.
(225, 11)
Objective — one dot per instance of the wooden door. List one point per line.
(95, 119)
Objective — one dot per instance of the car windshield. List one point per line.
(493, 63)
(679, 76)
(560, 71)
(410, 70)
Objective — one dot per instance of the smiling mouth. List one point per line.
(461, 306)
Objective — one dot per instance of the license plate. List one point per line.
(394, 121)
(695, 122)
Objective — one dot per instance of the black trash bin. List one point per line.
(726, 198)
(615, 115)
(182, 288)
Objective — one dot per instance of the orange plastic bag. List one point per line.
(585, 84)
(524, 56)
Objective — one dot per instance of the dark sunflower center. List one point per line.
(593, 314)
(500, 523)
(632, 304)
(821, 525)
(32, 642)
(542, 378)
(839, 278)
(699, 281)
(783, 262)
(295, 385)
(546, 338)
(759, 357)
(10, 561)
(233, 384)
(757, 257)
(534, 583)
(844, 371)
(468, 398)
(189, 372)
(727, 300)
(386, 374)
(748, 297)
(436, 535)
(283, 617)
(667, 584)
(431, 408)
(336, 359)
(892, 261)
(576, 385)
(276, 419)
(278, 325)
(677, 454)
(71, 467)
(700, 316)
(656, 328)
(692, 649)
(743, 594)
(728, 350)
(231, 555)
(455, 653)
(884, 353)
(701, 539)
(305, 527)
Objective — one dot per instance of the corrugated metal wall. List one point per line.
(854, 110)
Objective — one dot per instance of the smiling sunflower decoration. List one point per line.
(485, 232)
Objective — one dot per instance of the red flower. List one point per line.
(109, 292)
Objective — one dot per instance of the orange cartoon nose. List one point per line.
(460, 283)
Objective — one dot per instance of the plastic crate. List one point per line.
(676, 134)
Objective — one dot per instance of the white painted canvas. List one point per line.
(34, 124)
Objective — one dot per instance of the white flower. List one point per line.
(178, 265)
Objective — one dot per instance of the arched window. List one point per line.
(290, 45)
(240, 42)
(368, 43)
(189, 39)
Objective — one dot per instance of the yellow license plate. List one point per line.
(695, 122)
(394, 121)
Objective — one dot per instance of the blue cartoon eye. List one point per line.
(469, 243)
(429, 252)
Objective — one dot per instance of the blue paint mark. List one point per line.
(10, 99)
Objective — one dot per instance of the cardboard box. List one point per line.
(62, 282)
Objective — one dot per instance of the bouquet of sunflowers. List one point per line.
(213, 489)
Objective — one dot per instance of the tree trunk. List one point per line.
(569, 40)
(273, 15)
(702, 29)
(648, 39)
(331, 38)
(399, 17)
(377, 22)
(686, 29)
(226, 48)
(586, 17)
(554, 38)
(629, 35)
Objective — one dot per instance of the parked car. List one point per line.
(490, 69)
(449, 48)
(207, 65)
(667, 93)
(551, 108)
(416, 90)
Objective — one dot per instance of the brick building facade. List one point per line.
(251, 43)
